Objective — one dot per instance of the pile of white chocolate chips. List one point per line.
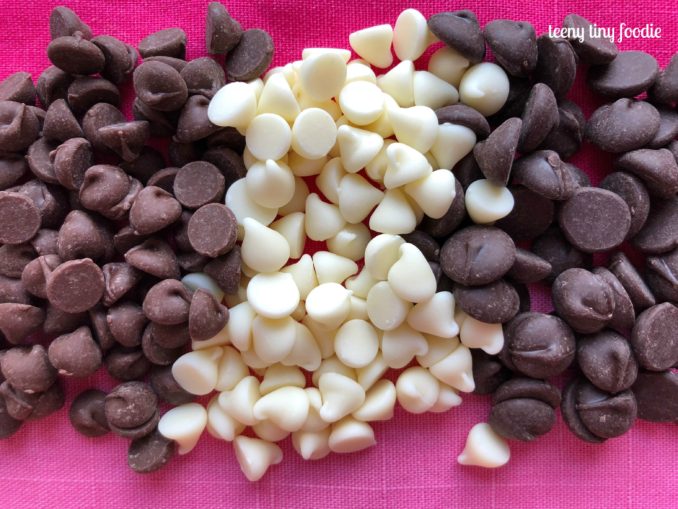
(311, 338)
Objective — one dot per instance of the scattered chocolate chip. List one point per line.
(665, 88)
(540, 117)
(428, 246)
(657, 395)
(126, 321)
(206, 316)
(634, 193)
(623, 125)
(167, 388)
(584, 300)
(20, 218)
(229, 162)
(223, 33)
(656, 168)
(531, 216)
(607, 361)
(627, 75)
(12, 290)
(27, 369)
(528, 268)
(566, 138)
(83, 236)
(18, 87)
(659, 234)
(156, 353)
(15, 258)
(75, 55)
(36, 272)
(87, 413)
(63, 21)
(495, 154)
(170, 42)
(624, 313)
(556, 64)
(544, 173)
(98, 116)
(19, 126)
(8, 424)
(52, 84)
(131, 409)
(459, 30)
(127, 363)
(75, 354)
(160, 86)
(147, 164)
(127, 140)
(636, 288)
(120, 58)
(12, 168)
(150, 453)
(488, 372)
(250, 57)
(590, 50)
(496, 302)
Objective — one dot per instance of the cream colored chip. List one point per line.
(270, 432)
(431, 91)
(230, 370)
(485, 87)
(351, 435)
(379, 403)
(273, 338)
(374, 44)
(184, 424)
(435, 316)
(487, 202)
(341, 396)
(399, 83)
(357, 198)
(324, 337)
(361, 101)
(329, 304)
(278, 376)
(298, 201)
(376, 169)
(400, 345)
(434, 193)
(197, 372)
(438, 349)
(305, 353)
(234, 105)
(405, 165)
(411, 277)
(239, 325)
(292, 227)
(312, 445)
(273, 295)
(357, 147)
(286, 407)
(358, 309)
(381, 253)
(332, 268)
(277, 97)
(453, 142)
(359, 70)
(385, 309)
(303, 274)
(382, 126)
(270, 183)
(394, 214)
(329, 179)
(322, 74)
(313, 133)
(447, 399)
(303, 167)
(356, 343)
(239, 402)
(416, 126)
(360, 285)
(263, 249)
(243, 206)
(417, 390)
(448, 65)
(487, 336)
(484, 448)
(455, 370)
(221, 425)
(313, 422)
(333, 365)
(268, 136)
(372, 373)
(410, 35)
(310, 52)
(323, 220)
(255, 456)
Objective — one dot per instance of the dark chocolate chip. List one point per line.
(40, 161)
(513, 44)
(634, 193)
(87, 91)
(127, 140)
(659, 234)
(668, 128)
(657, 395)
(540, 117)
(495, 154)
(87, 413)
(488, 372)
(63, 21)
(229, 162)
(98, 116)
(662, 275)
(203, 76)
(19, 126)
(496, 302)
(164, 179)
(655, 337)
(222, 33)
(169, 336)
(428, 246)
(225, 270)
(624, 313)
(12, 168)
(160, 86)
(170, 42)
(605, 415)
(636, 288)
(162, 123)
(556, 64)
(528, 268)
(459, 30)
(206, 316)
(71, 160)
(531, 216)
(590, 49)
(450, 221)
(545, 173)
(467, 170)
(75, 286)
(60, 322)
(566, 138)
(607, 360)
(18, 87)
(571, 415)
(193, 122)
(52, 84)
(656, 168)
(108, 190)
(75, 55)
(199, 183)
(627, 75)
(127, 363)
(623, 125)
(8, 424)
(665, 88)
(213, 230)
(130, 407)
(35, 274)
(251, 56)
(584, 300)
(119, 278)
(120, 58)
(156, 353)
(147, 164)
(460, 114)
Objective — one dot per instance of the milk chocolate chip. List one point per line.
(154, 257)
(153, 210)
(75, 55)
(28, 369)
(213, 230)
(170, 42)
(223, 32)
(87, 413)
(132, 409)
(75, 285)
(168, 303)
(150, 453)
(206, 316)
(18, 321)
(250, 57)
(75, 354)
(166, 387)
(225, 270)
(127, 363)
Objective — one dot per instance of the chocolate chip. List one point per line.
(27, 369)
(147, 164)
(656, 168)
(460, 31)
(225, 270)
(130, 409)
(170, 42)
(203, 76)
(595, 219)
(199, 183)
(160, 86)
(18, 87)
(127, 363)
(623, 125)
(584, 300)
(87, 413)
(228, 137)
(488, 372)
(71, 160)
(40, 161)
(52, 84)
(496, 302)
(212, 230)
(460, 114)
(528, 268)
(63, 21)
(662, 276)
(223, 32)
(98, 116)
(164, 179)
(12, 291)
(14, 258)
(495, 154)
(513, 44)
(634, 193)
(20, 218)
(167, 388)
(607, 360)
(127, 140)
(192, 262)
(154, 257)
(180, 154)
(75, 286)
(229, 162)
(556, 64)
(657, 396)
(538, 345)
(19, 126)
(18, 321)
(659, 234)
(48, 402)
(162, 123)
(153, 210)
(75, 354)
(20, 405)
(665, 88)
(119, 279)
(544, 173)
(168, 303)
(75, 55)
(624, 314)
(193, 122)
(8, 424)
(206, 316)
(531, 216)
(150, 453)
(524, 409)
(591, 50)
(83, 236)
(428, 246)
(655, 337)
(250, 57)
(668, 128)
(633, 283)
(156, 353)
(35, 274)
(566, 137)
(627, 75)
(86, 91)
(120, 58)
(45, 242)
(126, 321)
(571, 417)
(540, 117)
(450, 221)
(108, 190)
(60, 322)
(169, 336)
(12, 168)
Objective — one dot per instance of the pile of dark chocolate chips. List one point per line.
(615, 326)
(97, 227)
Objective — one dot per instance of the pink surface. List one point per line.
(414, 464)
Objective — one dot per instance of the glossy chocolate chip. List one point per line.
(170, 42)
(607, 361)
(120, 58)
(656, 168)
(155, 257)
(623, 125)
(28, 369)
(18, 87)
(250, 57)
(627, 75)
(595, 219)
(460, 114)
(584, 300)
(160, 86)
(545, 173)
(590, 50)
(528, 268)
(168, 303)
(19, 126)
(538, 345)
(460, 31)
(655, 337)
(659, 234)
(540, 117)
(632, 190)
(127, 363)
(556, 64)
(150, 453)
(153, 210)
(495, 154)
(213, 230)
(75, 354)
(75, 286)
(87, 413)
(513, 44)
(496, 302)
(222, 33)
(167, 388)
(657, 395)
(225, 270)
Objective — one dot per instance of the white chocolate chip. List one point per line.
(400, 345)
(322, 74)
(358, 309)
(382, 126)
(313, 422)
(184, 424)
(435, 316)
(243, 206)
(405, 165)
(484, 448)
(356, 343)
(381, 253)
(487, 336)
(374, 44)
(273, 295)
(447, 399)
(273, 338)
(411, 277)
(312, 445)
(263, 249)
(233, 105)
(278, 375)
(292, 227)
(333, 365)
(434, 193)
(286, 407)
(416, 126)
(305, 352)
(453, 142)
(487, 202)
(429, 90)
(385, 309)
(298, 201)
(376, 169)
(351, 435)
(341, 396)
(357, 198)
(357, 147)
(360, 285)
(410, 35)
(268, 136)
(350, 242)
(455, 370)
(417, 390)
(239, 402)
(231, 369)
(332, 268)
(399, 83)
(394, 214)
(448, 65)
(484, 87)
(268, 431)
(379, 402)
(328, 304)
(252, 360)
(361, 101)
(277, 97)
(329, 178)
(372, 373)
(239, 325)
(270, 183)
(323, 220)
(196, 372)
(359, 70)
(344, 54)
(313, 133)
(221, 338)
(201, 280)
(438, 349)
(257, 85)
(221, 425)
(255, 456)
(303, 167)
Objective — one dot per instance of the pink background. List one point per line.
(47, 464)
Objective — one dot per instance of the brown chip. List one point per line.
(76, 286)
